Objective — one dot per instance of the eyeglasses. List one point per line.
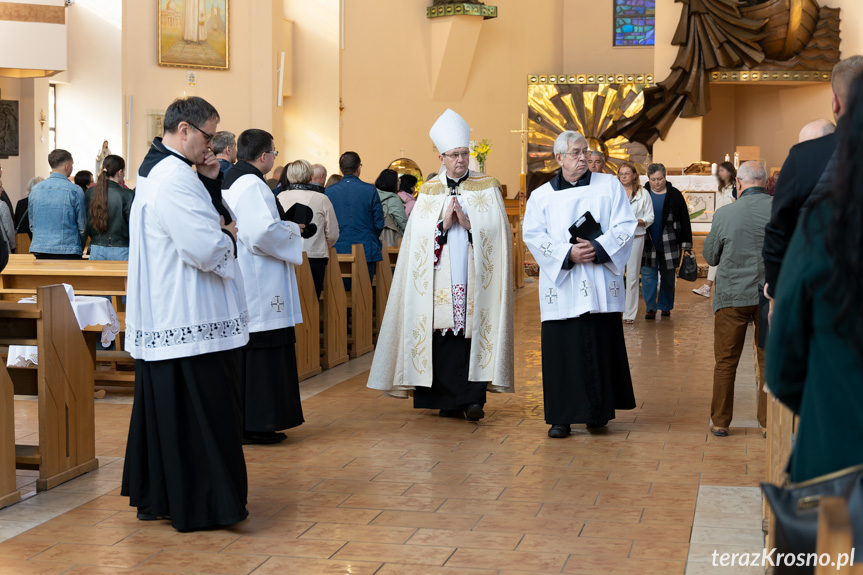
(577, 152)
(275, 153)
(455, 155)
(210, 137)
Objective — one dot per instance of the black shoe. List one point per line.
(145, 514)
(456, 413)
(474, 412)
(559, 431)
(262, 437)
(666, 314)
(650, 315)
(598, 425)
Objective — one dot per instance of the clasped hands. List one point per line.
(582, 252)
(455, 212)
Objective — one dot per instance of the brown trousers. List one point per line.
(729, 337)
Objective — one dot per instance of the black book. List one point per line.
(585, 228)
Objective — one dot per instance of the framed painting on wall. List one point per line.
(194, 34)
(701, 206)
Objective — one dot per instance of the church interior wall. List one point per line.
(386, 86)
(588, 32)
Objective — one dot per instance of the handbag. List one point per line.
(795, 508)
(688, 267)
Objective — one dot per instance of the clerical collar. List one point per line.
(453, 184)
(239, 170)
(584, 180)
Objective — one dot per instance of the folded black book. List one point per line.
(301, 214)
(585, 228)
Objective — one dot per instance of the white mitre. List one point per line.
(450, 132)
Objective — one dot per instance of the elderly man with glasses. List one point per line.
(447, 332)
(579, 227)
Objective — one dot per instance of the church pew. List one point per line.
(359, 301)
(382, 284)
(334, 321)
(835, 537)
(22, 244)
(308, 345)
(63, 381)
(780, 429)
(8, 489)
(515, 211)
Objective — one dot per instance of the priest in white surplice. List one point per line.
(585, 371)
(446, 337)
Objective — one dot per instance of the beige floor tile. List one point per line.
(388, 553)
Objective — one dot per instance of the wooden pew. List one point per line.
(22, 244)
(835, 537)
(63, 381)
(359, 301)
(382, 284)
(515, 211)
(8, 488)
(334, 316)
(308, 346)
(780, 428)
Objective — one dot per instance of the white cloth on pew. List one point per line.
(89, 310)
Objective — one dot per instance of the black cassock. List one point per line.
(184, 456)
(450, 388)
(268, 378)
(585, 369)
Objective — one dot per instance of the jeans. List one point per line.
(650, 277)
(98, 252)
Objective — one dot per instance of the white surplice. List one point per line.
(585, 288)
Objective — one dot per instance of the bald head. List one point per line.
(844, 73)
(816, 129)
(751, 174)
(319, 174)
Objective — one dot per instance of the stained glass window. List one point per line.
(634, 22)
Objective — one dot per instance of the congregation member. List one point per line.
(726, 185)
(579, 226)
(22, 208)
(273, 180)
(267, 250)
(407, 188)
(358, 211)
(319, 175)
(596, 161)
(814, 352)
(4, 197)
(7, 225)
(333, 179)
(108, 207)
(84, 180)
(225, 149)
(447, 333)
(642, 209)
(667, 238)
(395, 217)
(734, 245)
(185, 317)
(816, 129)
(800, 173)
(58, 215)
(297, 181)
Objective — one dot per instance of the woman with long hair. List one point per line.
(642, 208)
(108, 204)
(726, 186)
(395, 216)
(815, 350)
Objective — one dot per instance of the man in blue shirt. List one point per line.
(358, 211)
(58, 216)
(225, 149)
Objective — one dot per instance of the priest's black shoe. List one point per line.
(146, 514)
(559, 431)
(474, 412)
(262, 437)
(457, 413)
(597, 425)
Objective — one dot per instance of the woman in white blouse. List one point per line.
(642, 208)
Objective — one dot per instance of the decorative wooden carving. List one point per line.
(733, 35)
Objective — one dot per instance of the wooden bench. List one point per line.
(835, 537)
(308, 346)
(780, 429)
(382, 284)
(63, 382)
(358, 300)
(334, 316)
(22, 244)
(515, 212)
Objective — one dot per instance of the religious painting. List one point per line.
(634, 22)
(8, 128)
(701, 206)
(155, 125)
(194, 34)
(588, 104)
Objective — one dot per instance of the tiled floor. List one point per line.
(370, 486)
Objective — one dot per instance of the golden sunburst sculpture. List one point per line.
(588, 105)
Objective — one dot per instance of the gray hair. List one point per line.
(653, 168)
(844, 74)
(752, 173)
(222, 140)
(319, 171)
(33, 182)
(298, 172)
(561, 144)
(593, 153)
